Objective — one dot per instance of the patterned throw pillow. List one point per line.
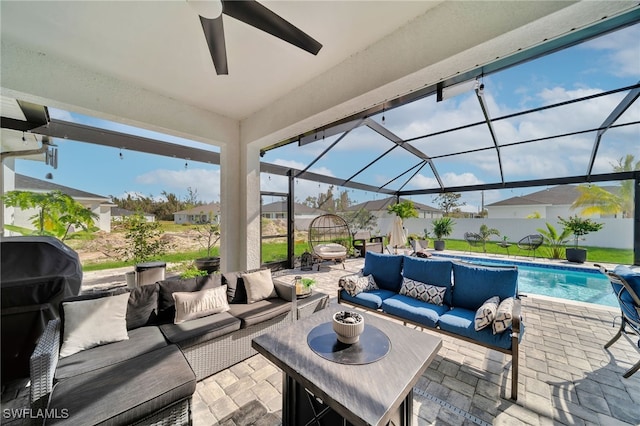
(486, 313)
(425, 292)
(356, 284)
(503, 318)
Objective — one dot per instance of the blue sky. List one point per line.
(599, 65)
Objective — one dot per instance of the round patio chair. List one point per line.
(329, 238)
(531, 243)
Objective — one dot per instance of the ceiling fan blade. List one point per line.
(214, 33)
(253, 13)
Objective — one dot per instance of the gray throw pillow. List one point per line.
(259, 286)
(166, 307)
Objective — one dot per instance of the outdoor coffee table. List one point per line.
(319, 391)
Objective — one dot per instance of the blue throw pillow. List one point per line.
(385, 268)
(473, 284)
(429, 271)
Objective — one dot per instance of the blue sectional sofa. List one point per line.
(442, 295)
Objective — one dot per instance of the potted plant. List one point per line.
(208, 236)
(555, 241)
(442, 227)
(303, 286)
(579, 227)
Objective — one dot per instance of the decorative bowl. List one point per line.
(348, 326)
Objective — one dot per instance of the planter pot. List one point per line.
(348, 326)
(576, 255)
(131, 279)
(438, 245)
(209, 264)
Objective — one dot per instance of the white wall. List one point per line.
(616, 233)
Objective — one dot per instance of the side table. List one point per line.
(504, 246)
(309, 305)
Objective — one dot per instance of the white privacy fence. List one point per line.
(616, 233)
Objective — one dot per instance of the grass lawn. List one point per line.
(272, 252)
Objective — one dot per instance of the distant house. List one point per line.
(379, 208)
(548, 203)
(98, 204)
(278, 210)
(198, 214)
(118, 215)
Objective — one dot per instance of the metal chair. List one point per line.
(364, 242)
(473, 239)
(531, 243)
(629, 302)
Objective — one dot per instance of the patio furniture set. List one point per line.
(475, 303)
(124, 357)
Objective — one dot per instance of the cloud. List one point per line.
(205, 182)
(623, 56)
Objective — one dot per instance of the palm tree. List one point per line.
(555, 241)
(596, 200)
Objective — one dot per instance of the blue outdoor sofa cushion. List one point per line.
(414, 309)
(429, 271)
(632, 277)
(474, 284)
(461, 322)
(385, 268)
(371, 299)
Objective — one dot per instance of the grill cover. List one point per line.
(36, 273)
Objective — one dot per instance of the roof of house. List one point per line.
(556, 195)
(379, 205)
(281, 206)
(27, 183)
(203, 209)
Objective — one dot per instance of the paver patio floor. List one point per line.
(566, 376)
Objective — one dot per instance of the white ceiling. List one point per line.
(160, 46)
(146, 63)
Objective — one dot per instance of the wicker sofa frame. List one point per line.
(205, 359)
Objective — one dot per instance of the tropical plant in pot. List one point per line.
(442, 227)
(208, 235)
(554, 240)
(579, 227)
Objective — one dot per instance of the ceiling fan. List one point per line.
(250, 12)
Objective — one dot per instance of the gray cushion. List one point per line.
(258, 312)
(143, 306)
(166, 306)
(141, 340)
(236, 291)
(201, 329)
(126, 392)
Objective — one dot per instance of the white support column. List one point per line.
(240, 204)
(7, 183)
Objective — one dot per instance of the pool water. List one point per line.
(579, 284)
(582, 286)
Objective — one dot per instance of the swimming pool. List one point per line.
(579, 284)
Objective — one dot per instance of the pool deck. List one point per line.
(566, 376)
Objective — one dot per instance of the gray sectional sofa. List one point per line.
(443, 296)
(150, 376)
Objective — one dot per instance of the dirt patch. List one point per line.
(105, 246)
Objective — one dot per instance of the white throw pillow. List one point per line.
(259, 285)
(504, 317)
(357, 283)
(198, 304)
(421, 291)
(486, 313)
(94, 322)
